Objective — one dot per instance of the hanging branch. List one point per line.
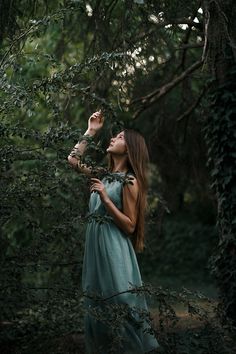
(185, 41)
(194, 105)
(153, 97)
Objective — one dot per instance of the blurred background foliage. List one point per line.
(141, 63)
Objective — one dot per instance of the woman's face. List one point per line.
(117, 144)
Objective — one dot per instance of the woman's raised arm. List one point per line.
(95, 123)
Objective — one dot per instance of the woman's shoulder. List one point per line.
(131, 173)
(130, 178)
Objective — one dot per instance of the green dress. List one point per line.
(109, 267)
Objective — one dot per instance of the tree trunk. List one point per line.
(220, 128)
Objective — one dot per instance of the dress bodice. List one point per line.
(113, 183)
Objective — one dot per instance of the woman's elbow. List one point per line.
(131, 228)
(69, 158)
(72, 161)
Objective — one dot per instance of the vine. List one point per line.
(219, 132)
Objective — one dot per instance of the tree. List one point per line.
(220, 136)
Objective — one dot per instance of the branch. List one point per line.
(154, 96)
(194, 105)
(22, 35)
(187, 37)
(31, 29)
(190, 46)
(137, 289)
(180, 21)
(68, 264)
(156, 26)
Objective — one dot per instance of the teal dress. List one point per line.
(109, 267)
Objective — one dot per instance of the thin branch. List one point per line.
(38, 265)
(187, 37)
(189, 46)
(55, 288)
(139, 289)
(180, 21)
(34, 26)
(22, 35)
(206, 25)
(194, 105)
(162, 24)
(154, 96)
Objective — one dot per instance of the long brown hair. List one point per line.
(138, 159)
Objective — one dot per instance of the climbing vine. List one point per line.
(220, 136)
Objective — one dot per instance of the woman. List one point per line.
(110, 265)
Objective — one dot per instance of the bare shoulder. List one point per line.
(131, 180)
(131, 187)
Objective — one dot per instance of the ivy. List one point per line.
(219, 132)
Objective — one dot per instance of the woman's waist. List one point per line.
(99, 216)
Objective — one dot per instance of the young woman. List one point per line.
(110, 265)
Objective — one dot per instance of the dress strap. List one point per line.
(130, 173)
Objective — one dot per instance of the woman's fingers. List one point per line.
(95, 184)
(92, 188)
(95, 180)
(95, 187)
(95, 115)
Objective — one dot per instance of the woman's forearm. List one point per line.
(95, 123)
(79, 149)
(120, 219)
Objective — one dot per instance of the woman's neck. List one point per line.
(120, 165)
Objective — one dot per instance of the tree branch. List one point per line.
(154, 96)
(194, 105)
(187, 37)
(190, 46)
(180, 21)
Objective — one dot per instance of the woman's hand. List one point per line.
(95, 122)
(126, 219)
(98, 186)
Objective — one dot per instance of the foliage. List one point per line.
(59, 61)
(220, 136)
(173, 258)
(204, 335)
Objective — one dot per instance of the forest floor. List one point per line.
(74, 343)
(189, 323)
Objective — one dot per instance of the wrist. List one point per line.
(105, 199)
(90, 131)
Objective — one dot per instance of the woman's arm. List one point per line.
(95, 123)
(127, 218)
